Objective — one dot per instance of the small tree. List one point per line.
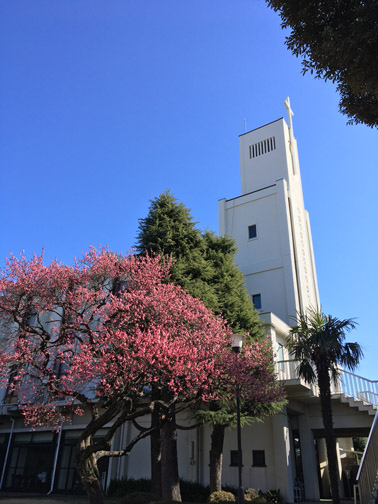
(317, 342)
(251, 375)
(99, 336)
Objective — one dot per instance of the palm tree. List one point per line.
(317, 342)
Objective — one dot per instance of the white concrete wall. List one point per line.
(194, 455)
(266, 261)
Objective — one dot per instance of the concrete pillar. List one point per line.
(222, 217)
(324, 473)
(309, 463)
(283, 462)
(340, 467)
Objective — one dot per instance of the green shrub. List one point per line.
(121, 487)
(194, 492)
(273, 496)
(251, 494)
(190, 491)
(140, 498)
(260, 500)
(221, 497)
(231, 489)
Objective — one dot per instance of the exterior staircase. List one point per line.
(362, 394)
(359, 393)
(360, 404)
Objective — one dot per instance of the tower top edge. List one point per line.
(263, 126)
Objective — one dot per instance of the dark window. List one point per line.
(256, 299)
(234, 458)
(31, 462)
(67, 477)
(252, 232)
(298, 455)
(258, 458)
(281, 356)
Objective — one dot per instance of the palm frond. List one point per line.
(306, 371)
(318, 339)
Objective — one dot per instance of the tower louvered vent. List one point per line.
(260, 148)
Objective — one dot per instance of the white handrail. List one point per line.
(367, 473)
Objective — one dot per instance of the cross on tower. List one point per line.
(290, 114)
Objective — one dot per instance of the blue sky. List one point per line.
(104, 105)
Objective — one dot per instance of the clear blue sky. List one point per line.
(104, 104)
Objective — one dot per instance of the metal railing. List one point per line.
(367, 474)
(348, 383)
(287, 370)
(359, 387)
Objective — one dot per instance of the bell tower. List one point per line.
(270, 224)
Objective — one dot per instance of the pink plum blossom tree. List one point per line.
(98, 336)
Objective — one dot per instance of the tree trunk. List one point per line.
(216, 458)
(325, 401)
(169, 462)
(90, 478)
(155, 443)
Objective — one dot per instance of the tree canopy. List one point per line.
(99, 336)
(317, 342)
(338, 41)
(96, 338)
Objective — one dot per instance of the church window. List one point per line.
(234, 458)
(258, 458)
(256, 299)
(252, 232)
(280, 352)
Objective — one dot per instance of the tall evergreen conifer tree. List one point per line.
(169, 230)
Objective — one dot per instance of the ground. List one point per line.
(12, 498)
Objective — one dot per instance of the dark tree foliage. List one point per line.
(338, 40)
(233, 300)
(169, 230)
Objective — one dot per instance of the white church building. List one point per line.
(272, 231)
(271, 227)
